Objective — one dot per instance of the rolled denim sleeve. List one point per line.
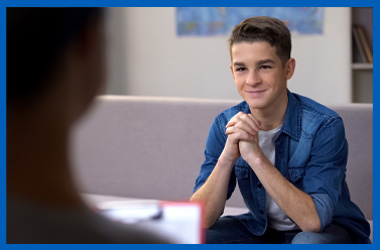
(215, 143)
(326, 169)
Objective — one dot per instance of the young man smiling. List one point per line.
(287, 153)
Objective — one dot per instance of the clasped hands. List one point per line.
(243, 140)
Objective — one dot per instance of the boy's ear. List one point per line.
(232, 71)
(289, 68)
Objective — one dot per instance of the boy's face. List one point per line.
(260, 75)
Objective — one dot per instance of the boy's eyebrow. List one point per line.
(239, 64)
(261, 62)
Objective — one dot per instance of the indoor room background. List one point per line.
(148, 57)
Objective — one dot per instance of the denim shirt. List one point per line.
(311, 153)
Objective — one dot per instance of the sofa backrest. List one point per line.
(152, 147)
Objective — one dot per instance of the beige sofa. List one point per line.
(152, 148)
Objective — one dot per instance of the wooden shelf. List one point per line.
(362, 73)
(362, 66)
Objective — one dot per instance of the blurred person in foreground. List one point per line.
(55, 68)
(287, 153)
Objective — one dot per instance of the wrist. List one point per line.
(226, 160)
(256, 159)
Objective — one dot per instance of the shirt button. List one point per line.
(259, 185)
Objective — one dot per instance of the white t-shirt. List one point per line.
(277, 218)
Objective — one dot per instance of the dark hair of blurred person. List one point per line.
(55, 67)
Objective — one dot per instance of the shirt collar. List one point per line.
(292, 120)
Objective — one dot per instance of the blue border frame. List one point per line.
(167, 3)
(184, 3)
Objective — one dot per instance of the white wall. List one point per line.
(147, 58)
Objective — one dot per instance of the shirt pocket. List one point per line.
(296, 175)
(242, 170)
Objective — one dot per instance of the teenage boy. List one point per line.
(288, 153)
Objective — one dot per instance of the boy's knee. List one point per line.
(307, 238)
(332, 235)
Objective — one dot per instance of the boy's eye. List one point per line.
(266, 67)
(240, 69)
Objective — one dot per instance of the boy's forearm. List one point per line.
(213, 193)
(298, 205)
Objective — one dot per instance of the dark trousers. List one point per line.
(228, 230)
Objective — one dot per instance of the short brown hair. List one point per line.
(263, 29)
